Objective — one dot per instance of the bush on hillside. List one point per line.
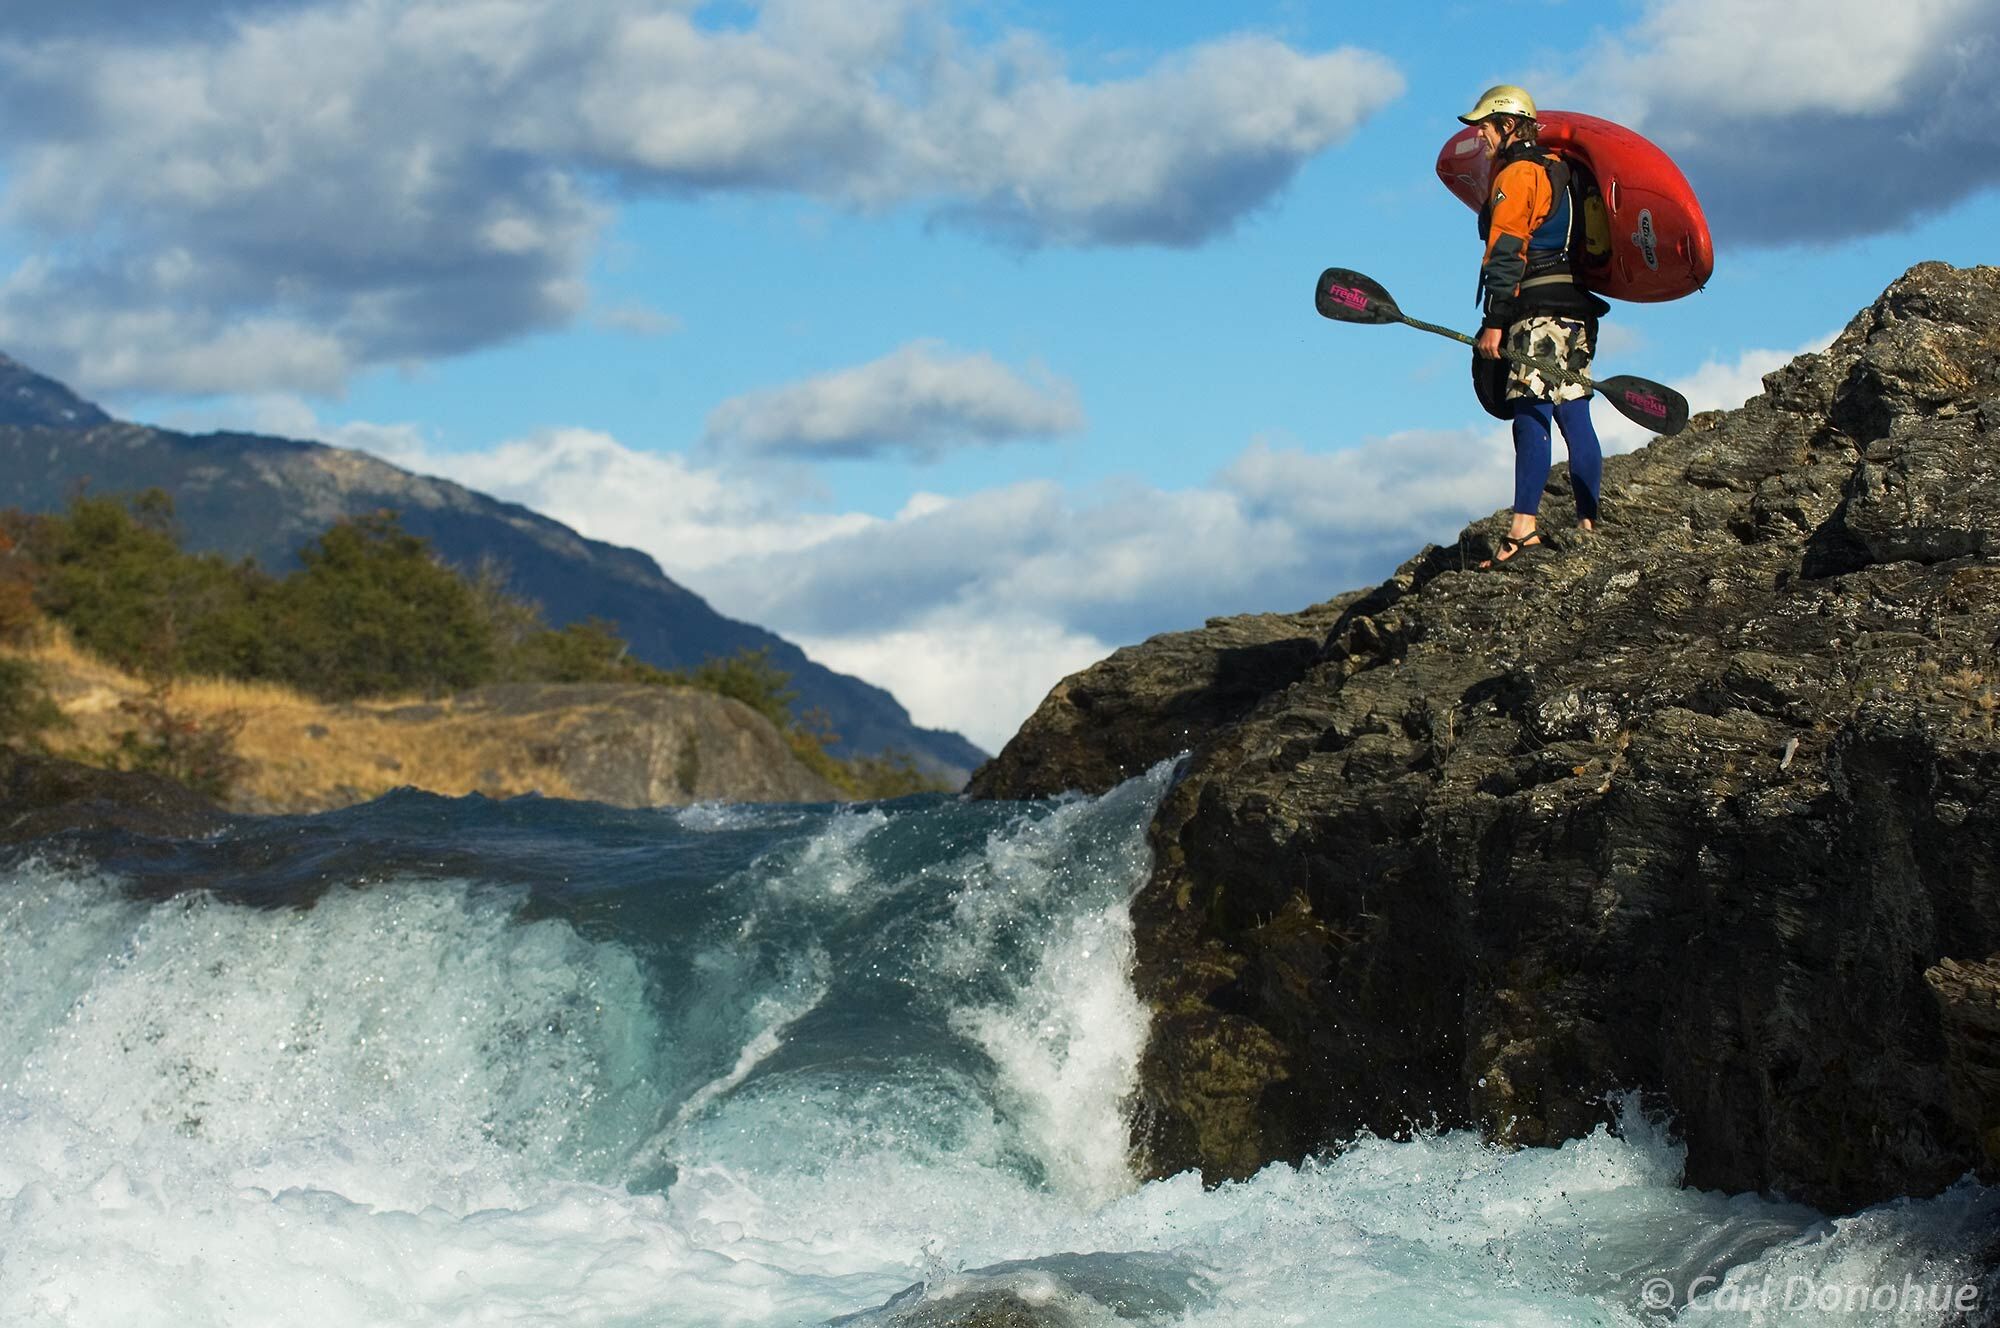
(589, 651)
(373, 612)
(114, 573)
(199, 752)
(749, 676)
(26, 709)
(18, 615)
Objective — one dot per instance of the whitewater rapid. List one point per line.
(452, 1062)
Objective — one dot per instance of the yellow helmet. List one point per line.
(1501, 99)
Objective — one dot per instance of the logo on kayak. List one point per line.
(1348, 296)
(1648, 242)
(1646, 404)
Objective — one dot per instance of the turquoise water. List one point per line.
(458, 1062)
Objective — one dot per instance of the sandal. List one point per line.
(1510, 547)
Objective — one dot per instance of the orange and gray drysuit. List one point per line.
(1526, 227)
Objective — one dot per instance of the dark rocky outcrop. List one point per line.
(41, 796)
(1148, 703)
(1968, 998)
(1687, 806)
(637, 746)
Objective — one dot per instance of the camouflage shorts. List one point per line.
(1564, 341)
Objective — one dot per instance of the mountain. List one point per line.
(1703, 805)
(248, 496)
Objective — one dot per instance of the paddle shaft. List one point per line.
(1347, 296)
(1553, 370)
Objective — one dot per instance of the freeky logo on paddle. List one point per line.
(1646, 402)
(1348, 296)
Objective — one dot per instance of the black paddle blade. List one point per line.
(1648, 404)
(1352, 298)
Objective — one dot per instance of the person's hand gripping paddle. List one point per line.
(1349, 297)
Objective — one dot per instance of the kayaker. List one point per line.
(1533, 303)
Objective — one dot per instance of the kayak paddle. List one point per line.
(1349, 297)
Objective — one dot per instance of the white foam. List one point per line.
(1067, 1049)
(411, 1106)
(716, 817)
(407, 1047)
(830, 864)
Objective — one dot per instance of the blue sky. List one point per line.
(961, 343)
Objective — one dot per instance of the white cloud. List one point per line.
(981, 677)
(116, 346)
(922, 398)
(1839, 120)
(691, 519)
(415, 179)
(1757, 58)
(638, 321)
(1173, 156)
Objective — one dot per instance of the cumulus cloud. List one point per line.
(636, 320)
(690, 518)
(971, 608)
(1817, 127)
(149, 17)
(269, 196)
(1171, 157)
(980, 676)
(923, 398)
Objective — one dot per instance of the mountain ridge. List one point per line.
(247, 495)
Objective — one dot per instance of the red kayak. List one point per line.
(1647, 238)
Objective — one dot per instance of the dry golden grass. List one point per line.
(301, 754)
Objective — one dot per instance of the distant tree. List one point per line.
(749, 676)
(890, 775)
(510, 619)
(198, 751)
(112, 570)
(373, 612)
(370, 612)
(588, 651)
(26, 710)
(19, 614)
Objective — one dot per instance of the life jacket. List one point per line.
(1550, 247)
(1572, 241)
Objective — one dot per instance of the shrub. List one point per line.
(588, 651)
(19, 615)
(199, 752)
(749, 676)
(113, 572)
(373, 612)
(26, 710)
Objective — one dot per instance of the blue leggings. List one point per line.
(1532, 454)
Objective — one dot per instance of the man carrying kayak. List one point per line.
(1532, 300)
